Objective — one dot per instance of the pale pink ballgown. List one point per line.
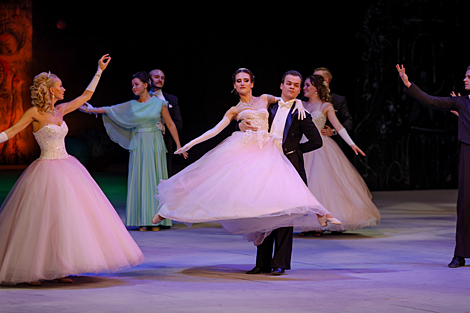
(56, 221)
(245, 183)
(336, 183)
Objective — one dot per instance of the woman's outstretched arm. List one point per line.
(330, 113)
(88, 93)
(23, 122)
(229, 115)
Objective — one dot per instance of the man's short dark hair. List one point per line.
(293, 73)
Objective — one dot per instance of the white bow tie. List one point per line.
(287, 104)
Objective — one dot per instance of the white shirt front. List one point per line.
(159, 94)
(279, 121)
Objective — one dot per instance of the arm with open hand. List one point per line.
(330, 113)
(229, 115)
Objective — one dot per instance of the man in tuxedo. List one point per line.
(462, 106)
(341, 109)
(158, 80)
(283, 124)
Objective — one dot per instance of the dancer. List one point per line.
(246, 183)
(461, 105)
(56, 221)
(342, 191)
(340, 105)
(132, 124)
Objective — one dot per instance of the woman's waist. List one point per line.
(148, 129)
(54, 153)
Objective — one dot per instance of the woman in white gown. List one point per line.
(56, 221)
(341, 189)
(245, 183)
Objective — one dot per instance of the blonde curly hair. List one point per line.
(40, 95)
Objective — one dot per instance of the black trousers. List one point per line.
(462, 234)
(281, 239)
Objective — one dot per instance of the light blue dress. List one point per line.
(133, 125)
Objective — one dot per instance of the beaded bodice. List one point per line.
(259, 120)
(51, 141)
(319, 119)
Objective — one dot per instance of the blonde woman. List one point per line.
(56, 221)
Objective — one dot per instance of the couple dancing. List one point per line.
(254, 182)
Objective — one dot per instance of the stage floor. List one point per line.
(398, 266)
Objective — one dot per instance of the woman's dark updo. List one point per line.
(322, 88)
(243, 70)
(144, 77)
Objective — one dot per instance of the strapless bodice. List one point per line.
(51, 141)
(259, 120)
(319, 119)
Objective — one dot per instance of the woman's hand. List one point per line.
(183, 150)
(403, 76)
(357, 150)
(86, 108)
(184, 154)
(299, 107)
(104, 61)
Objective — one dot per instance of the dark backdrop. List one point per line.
(199, 46)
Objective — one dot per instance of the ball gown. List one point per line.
(245, 183)
(56, 221)
(133, 125)
(338, 186)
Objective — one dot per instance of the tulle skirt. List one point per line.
(56, 221)
(340, 188)
(245, 183)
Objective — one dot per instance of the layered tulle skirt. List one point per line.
(56, 221)
(340, 188)
(245, 183)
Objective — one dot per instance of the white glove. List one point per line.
(299, 107)
(3, 137)
(344, 134)
(94, 82)
(207, 135)
(86, 108)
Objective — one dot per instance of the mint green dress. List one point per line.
(133, 125)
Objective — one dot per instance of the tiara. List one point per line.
(49, 74)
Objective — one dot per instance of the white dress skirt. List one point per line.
(56, 221)
(245, 183)
(336, 183)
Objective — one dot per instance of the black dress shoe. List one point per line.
(278, 271)
(258, 270)
(457, 261)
